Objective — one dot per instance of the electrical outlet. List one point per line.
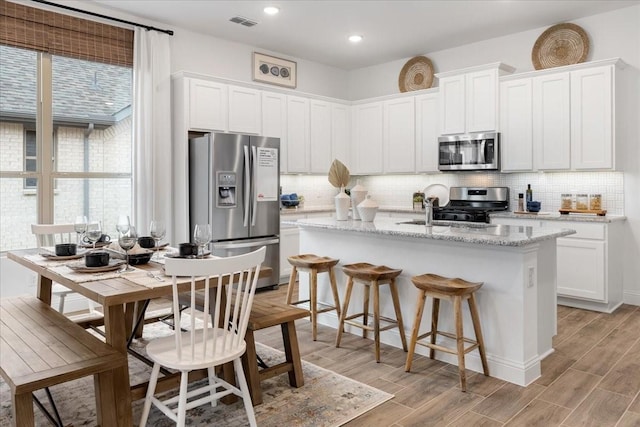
(531, 280)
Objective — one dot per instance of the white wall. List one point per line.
(612, 34)
(216, 57)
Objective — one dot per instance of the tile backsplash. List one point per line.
(395, 191)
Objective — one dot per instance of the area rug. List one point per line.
(326, 399)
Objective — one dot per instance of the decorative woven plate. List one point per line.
(416, 74)
(562, 44)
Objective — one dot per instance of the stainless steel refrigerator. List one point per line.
(234, 185)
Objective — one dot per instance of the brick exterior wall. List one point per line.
(109, 151)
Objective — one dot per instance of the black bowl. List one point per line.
(66, 249)
(96, 259)
(139, 259)
(146, 242)
(188, 249)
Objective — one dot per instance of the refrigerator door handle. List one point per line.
(235, 245)
(254, 208)
(247, 187)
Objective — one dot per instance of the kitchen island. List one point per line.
(517, 303)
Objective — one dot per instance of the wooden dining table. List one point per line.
(119, 298)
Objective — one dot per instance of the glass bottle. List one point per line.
(566, 201)
(582, 202)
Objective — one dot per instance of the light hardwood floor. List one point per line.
(592, 379)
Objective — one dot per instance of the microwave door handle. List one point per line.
(254, 160)
(247, 187)
(483, 152)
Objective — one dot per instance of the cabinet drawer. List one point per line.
(584, 231)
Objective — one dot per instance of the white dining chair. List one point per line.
(49, 235)
(211, 345)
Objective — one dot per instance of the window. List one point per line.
(71, 154)
(30, 158)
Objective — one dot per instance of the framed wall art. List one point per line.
(276, 71)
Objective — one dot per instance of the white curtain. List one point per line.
(152, 177)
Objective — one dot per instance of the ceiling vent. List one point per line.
(243, 21)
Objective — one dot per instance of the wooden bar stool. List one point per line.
(372, 276)
(314, 264)
(454, 290)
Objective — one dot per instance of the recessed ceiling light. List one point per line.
(271, 10)
(356, 38)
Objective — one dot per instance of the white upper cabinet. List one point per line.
(592, 118)
(516, 125)
(274, 122)
(482, 101)
(245, 110)
(551, 121)
(399, 135)
(320, 136)
(469, 99)
(208, 103)
(340, 133)
(427, 132)
(366, 153)
(452, 105)
(298, 136)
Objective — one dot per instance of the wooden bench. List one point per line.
(40, 347)
(265, 314)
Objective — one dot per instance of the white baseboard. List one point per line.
(631, 297)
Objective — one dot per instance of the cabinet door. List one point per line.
(297, 134)
(592, 118)
(320, 136)
(452, 105)
(207, 105)
(427, 133)
(516, 126)
(366, 154)
(551, 121)
(289, 245)
(481, 94)
(274, 122)
(587, 281)
(399, 136)
(244, 110)
(341, 133)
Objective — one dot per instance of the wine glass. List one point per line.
(157, 230)
(127, 240)
(94, 232)
(202, 236)
(123, 223)
(80, 226)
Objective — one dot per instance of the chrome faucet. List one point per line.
(428, 210)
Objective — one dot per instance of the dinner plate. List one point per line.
(438, 190)
(80, 267)
(160, 247)
(55, 257)
(177, 255)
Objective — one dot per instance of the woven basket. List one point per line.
(562, 44)
(416, 74)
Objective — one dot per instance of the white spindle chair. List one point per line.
(212, 345)
(49, 235)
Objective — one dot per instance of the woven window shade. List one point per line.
(45, 31)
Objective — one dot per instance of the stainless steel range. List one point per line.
(473, 204)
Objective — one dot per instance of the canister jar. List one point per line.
(566, 201)
(582, 202)
(595, 202)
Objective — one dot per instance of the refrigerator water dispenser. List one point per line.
(226, 194)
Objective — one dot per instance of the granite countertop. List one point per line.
(329, 209)
(484, 234)
(556, 216)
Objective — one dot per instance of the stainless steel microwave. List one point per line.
(476, 151)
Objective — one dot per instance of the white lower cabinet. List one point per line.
(289, 245)
(589, 269)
